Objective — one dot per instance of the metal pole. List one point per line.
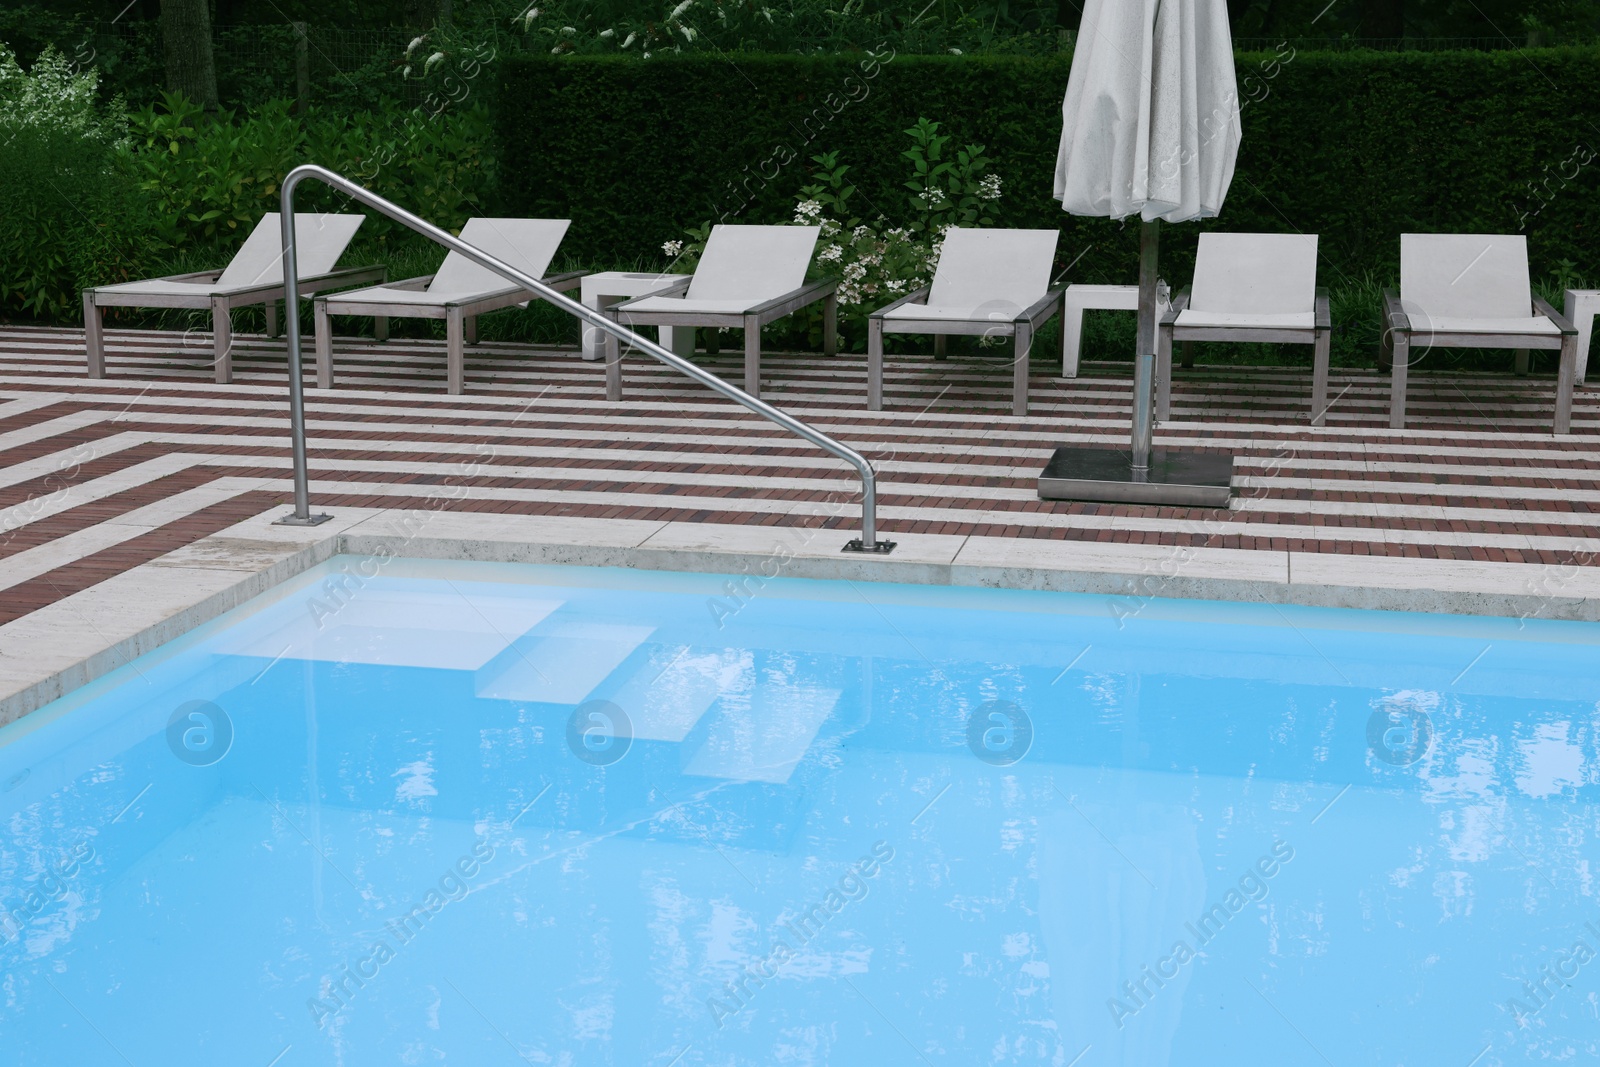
(302, 67)
(1144, 367)
(297, 408)
(302, 514)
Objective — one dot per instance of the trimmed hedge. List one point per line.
(1356, 146)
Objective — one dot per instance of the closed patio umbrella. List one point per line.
(1150, 127)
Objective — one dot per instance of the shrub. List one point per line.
(883, 259)
(1356, 146)
(68, 217)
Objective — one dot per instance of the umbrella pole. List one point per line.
(1141, 475)
(1144, 366)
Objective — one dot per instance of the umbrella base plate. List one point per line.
(1178, 479)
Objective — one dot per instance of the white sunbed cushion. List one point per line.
(994, 311)
(993, 268)
(382, 294)
(1255, 274)
(1422, 322)
(651, 304)
(526, 244)
(319, 241)
(162, 287)
(753, 264)
(1466, 275)
(1302, 320)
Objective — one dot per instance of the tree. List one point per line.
(186, 38)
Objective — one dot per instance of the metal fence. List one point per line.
(259, 63)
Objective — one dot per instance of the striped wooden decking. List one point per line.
(97, 477)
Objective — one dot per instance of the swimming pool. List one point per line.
(406, 812)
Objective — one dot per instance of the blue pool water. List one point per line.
(502, 814)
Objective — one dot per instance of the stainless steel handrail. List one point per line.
(302, 492)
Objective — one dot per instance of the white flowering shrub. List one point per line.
(877, 262)
(55, 96)
(68, 216)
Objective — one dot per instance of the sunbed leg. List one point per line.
(94, 340)
(1071, 341)
(1386, 349)
(1520, 363)
(1019, 369)
(941, 346)
(874, 364)
(830, 324)
(380, 327)
(713, 340)
(1401, 357)
(455, 352)
(272, 318)
(1319, 378)
(611, 352)
(222, 339)
(1188, 355)
(471, 329)
(322, 327)
(1164, 373)
(1566, 380)
(752, 355)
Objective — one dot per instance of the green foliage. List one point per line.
(877, 261)
(66, 212)
(948, 192)
(90, 195)
(208, 181)
(68, 219)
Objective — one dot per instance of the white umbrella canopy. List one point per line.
(1150, 127)
(1151, 118)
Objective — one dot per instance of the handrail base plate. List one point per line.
(879, 548)
(292, 519)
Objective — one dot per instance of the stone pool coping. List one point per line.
(50, 652)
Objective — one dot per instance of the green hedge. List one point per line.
(1357, 146)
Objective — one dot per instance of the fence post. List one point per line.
(302, 67)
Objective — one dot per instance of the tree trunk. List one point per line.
(1383, 18)
(186, 35)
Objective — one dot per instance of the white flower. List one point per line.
(859, 232)
(606, 35)
(955, 51)
(631, 38)
(807, 212)
(526, 18)
(417, 41)
(830, 254)
(433, 61)
(989, 187)
(569, 31)
(680, 9)
(673, 248)
(688, 32)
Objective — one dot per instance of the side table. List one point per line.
(600, 291)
